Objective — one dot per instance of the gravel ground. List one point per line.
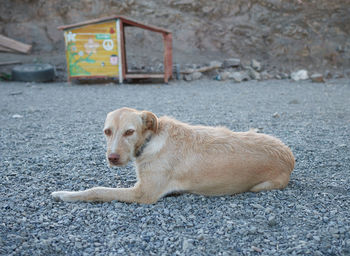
(51, 139)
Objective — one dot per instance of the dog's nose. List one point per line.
(113, 157)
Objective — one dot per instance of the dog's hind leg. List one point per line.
(279, 182)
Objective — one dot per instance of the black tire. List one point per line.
(33, 73)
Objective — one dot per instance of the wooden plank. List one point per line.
(125, 20)
(203, 69)
(14, 45)
(4, 49)
(168, 56)
(10, 63)
(135, 23)
(123, 49)
(139, 76)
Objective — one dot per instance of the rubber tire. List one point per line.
(33, 73)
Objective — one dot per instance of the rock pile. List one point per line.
(233, 69)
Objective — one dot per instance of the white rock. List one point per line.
(197, 75)
(17, 116)
(300, 75)
(256, 65)
(276, 115)
(224, 75)
(193, 76)
(254, 74)
(239, 76)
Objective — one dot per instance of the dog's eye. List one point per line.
(108, 132)
(129, 132)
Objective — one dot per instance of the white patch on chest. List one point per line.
(156, 144)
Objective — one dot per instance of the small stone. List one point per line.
(253, 74)
(272, 221)
(232, 63)
(268, 209)
(15, 93)
(121, 251)
(197, 75)
(256, 249)
(275, 115)
(300, 75)
(316, 238)
(294, 102)
(17, 116)
(187, 244)
(193, 76)
(224, 75)
(266, 76)
(239, 76)
(284, 75)
(256, 65)
(257, 206)
(317, 78)
(200, 237)
(188, 77)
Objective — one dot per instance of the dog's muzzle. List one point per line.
(114, 158)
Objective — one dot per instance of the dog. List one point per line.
(171, 157)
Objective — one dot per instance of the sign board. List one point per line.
(93, 50)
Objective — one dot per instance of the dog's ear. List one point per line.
(150, 121)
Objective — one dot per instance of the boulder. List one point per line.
(224, 75)
(256, 65)
(239, 76)
(232, 63)
(299, 75)
(193, 76)
(317, 78)
(254, 74)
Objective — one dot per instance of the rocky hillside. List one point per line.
(288, 34)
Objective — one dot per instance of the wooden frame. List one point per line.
(123, 22)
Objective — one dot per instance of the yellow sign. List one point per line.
(92, 50)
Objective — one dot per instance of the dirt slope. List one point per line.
(313, 34)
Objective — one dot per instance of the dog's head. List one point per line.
(126, 131)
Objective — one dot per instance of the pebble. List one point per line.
(276, 115)
(256, 249)
(272, 221)
(17, 116)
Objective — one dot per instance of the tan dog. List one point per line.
(172, 157)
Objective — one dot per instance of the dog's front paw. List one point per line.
(62, 196)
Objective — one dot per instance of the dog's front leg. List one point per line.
(137, 194)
